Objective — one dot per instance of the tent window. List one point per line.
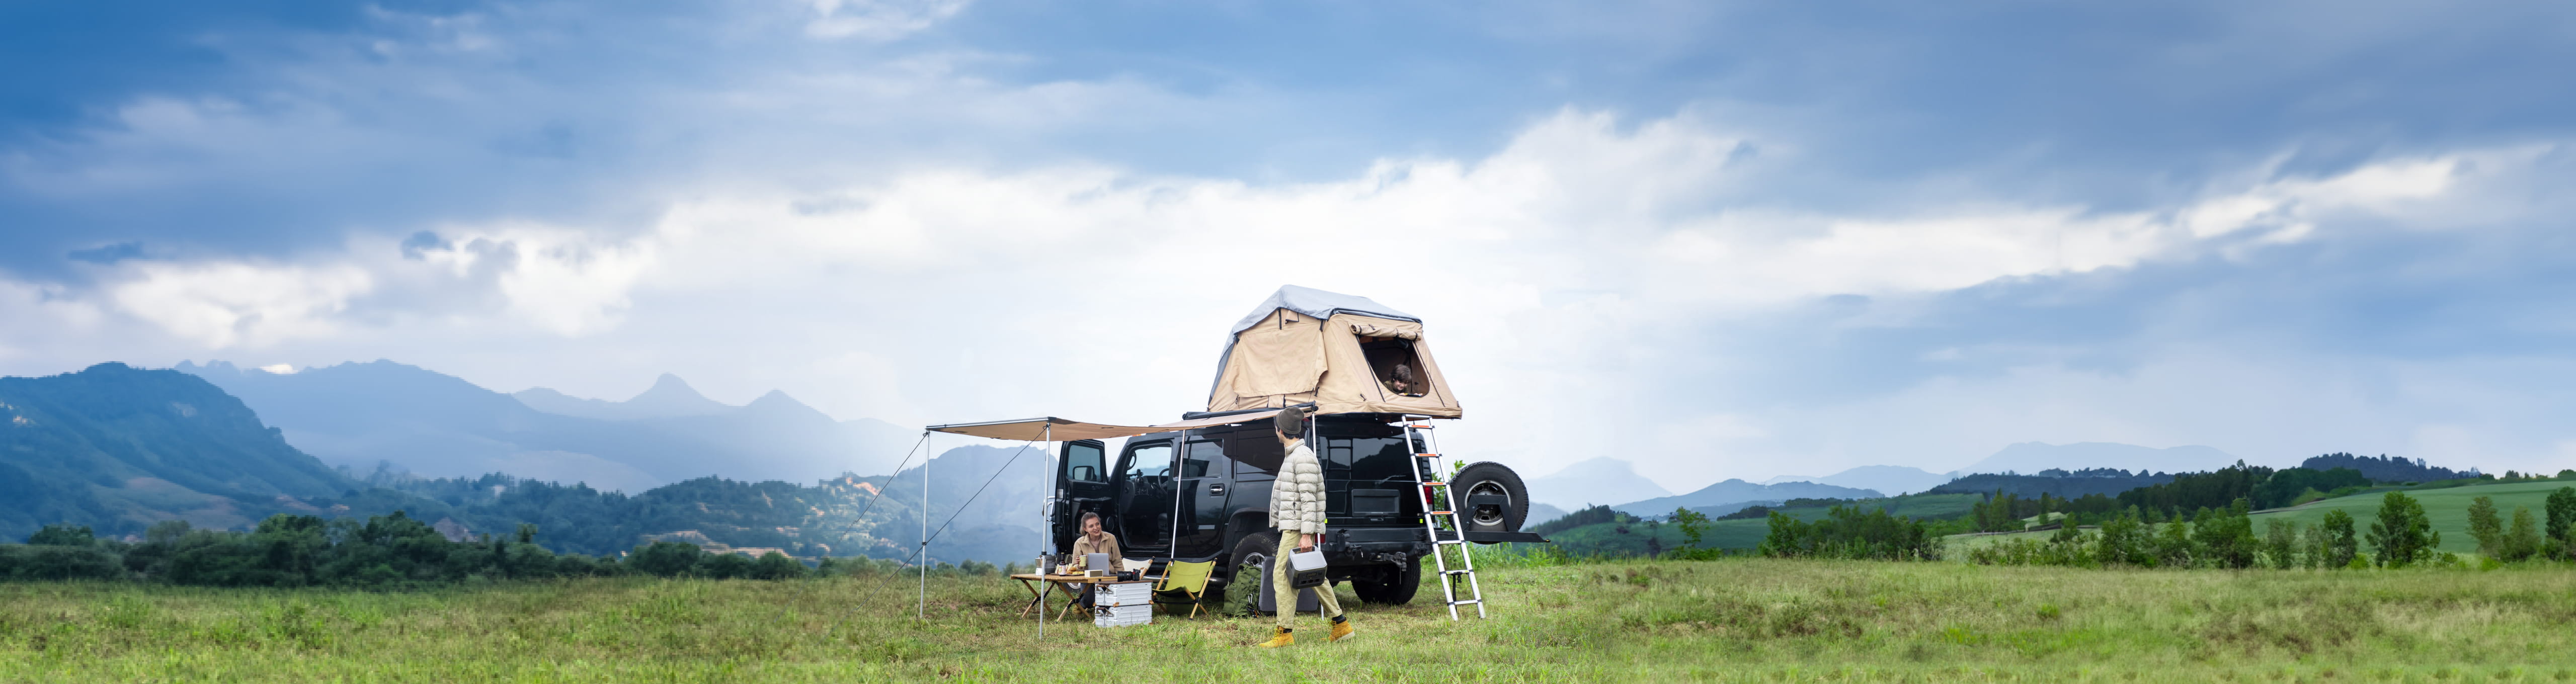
(1399, 371)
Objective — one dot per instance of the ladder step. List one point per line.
(1458, 572)
(1437, 513)
(1435, 484)
(1465, 602)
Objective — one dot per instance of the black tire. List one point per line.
(1406, 580)
(1263, 543)
(1490, 479)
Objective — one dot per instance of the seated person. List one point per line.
(1400, 380)
(1094, 540)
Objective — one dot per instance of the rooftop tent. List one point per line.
(1346, 354)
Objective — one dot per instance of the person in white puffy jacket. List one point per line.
(1297, 512)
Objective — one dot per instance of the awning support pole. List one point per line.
(1046, 434)
(921, 598)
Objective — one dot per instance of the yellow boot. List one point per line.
(1283, 638)
(1341, 630)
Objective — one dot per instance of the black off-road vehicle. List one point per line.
(1204, 494)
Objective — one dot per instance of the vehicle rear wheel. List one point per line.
(1396, 590)
(1491, 498)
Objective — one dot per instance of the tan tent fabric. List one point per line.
(1348, 382)
(1401, 330)
(1060, 429)
(1283, 354)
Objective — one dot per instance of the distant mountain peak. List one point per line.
(669, 389)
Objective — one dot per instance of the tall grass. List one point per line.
(1734, 619)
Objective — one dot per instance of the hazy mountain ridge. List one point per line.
(1590, 482)
(1885, 479)
(356, 414)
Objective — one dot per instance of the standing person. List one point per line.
(1297, 512)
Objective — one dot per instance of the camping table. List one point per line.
(1072, 584)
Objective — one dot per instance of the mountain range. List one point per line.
(1884, 479)
(361, 415)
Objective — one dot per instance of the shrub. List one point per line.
(663, 558)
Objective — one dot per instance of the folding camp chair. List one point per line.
(1185, 579)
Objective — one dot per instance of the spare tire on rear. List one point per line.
(1491, 498)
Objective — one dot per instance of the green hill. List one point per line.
(2448, 506)
(116, 448)
(1638, 537)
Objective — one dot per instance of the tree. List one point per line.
(2562, 517)
(2402, 535)
(2123, 541)
(62, 535)
(2522, 541)
(664, 558)
(1692, 523)
(2281, 543)
(2173, 545)
(2485, 526)
(2340, 546)
(2228, 535)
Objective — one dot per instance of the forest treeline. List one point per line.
(392, 551)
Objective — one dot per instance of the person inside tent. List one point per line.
(1400, 381)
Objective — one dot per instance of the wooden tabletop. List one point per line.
(1073, 579)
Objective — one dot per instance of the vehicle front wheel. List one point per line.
(1247, 589)
(1396, 587)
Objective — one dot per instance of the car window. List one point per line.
(1153, 460)
(1082, 463)
(1204, 457)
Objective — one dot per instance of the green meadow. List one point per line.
(1735, 619)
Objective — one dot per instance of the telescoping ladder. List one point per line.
(1440, 519)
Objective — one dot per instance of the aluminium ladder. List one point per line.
(1431, 471)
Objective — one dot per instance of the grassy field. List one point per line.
(2448, 508)
(1736, 619)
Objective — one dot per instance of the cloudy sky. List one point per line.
(1718, 239)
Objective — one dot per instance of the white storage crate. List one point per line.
(1121, 616)
(1124, 594)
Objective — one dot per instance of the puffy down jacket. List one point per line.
(1297, 498)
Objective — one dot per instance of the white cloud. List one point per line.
(226, 304)
(878, 19)
(941, 294)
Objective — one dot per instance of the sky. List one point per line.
(1716, 239)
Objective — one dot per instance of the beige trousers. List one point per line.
(1286, 598)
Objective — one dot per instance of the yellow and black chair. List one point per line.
(1183, 582)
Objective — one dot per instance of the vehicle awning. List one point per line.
(1063, 429)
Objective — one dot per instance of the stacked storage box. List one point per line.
(1119, 604)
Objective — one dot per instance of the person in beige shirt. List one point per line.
(1093, 540)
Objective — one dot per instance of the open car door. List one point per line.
(1081, 484)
